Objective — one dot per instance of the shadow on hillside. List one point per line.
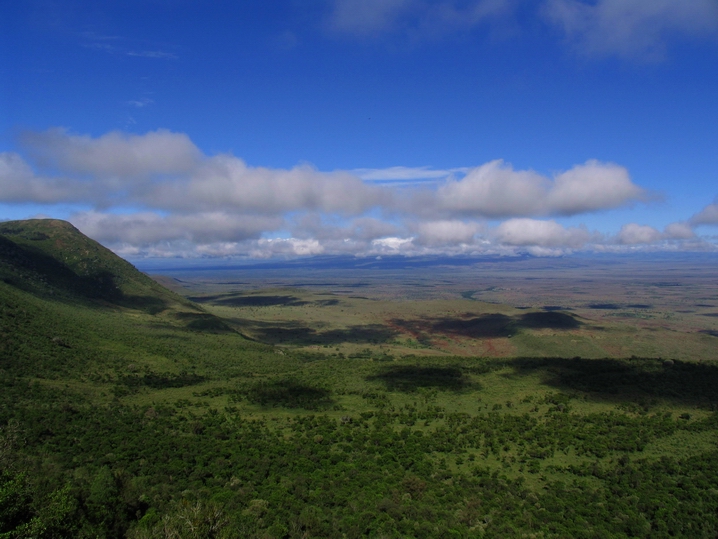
(407, 378)
(289, 394)
(149, 304)
(634, 379)
(33, 271)
(204, 322)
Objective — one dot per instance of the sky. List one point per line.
(287, 128)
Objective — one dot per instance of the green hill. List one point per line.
(69, 307)
(51, 257)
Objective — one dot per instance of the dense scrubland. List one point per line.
(130, 411)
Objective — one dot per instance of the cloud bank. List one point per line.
(158, 194)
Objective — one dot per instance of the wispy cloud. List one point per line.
(632, 28)
(140, 103)
(407, 174)
(417, 18)
(635, 29)
(163, 55)
(119, 45)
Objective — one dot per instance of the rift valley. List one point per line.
(521, 397)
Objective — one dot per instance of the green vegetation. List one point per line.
(155, 418)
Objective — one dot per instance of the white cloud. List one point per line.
(148, 228)
(165, 170)
(633, 234)
(679, 231)
(266, 248)
(392, 245)
(157, 194)
(544, 252)
(538, 233)
(707, 216)
(496, 190)
(226, 182)
(436, 233)
(631, 28)
(18, 183)
(592, 187)
(115, 154)
(362, 229)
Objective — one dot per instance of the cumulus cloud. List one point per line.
(454, 232)
(114, 154)
(392, 245)
(679, 231)
(633, 234)
(225, 181)
(538, 233)
(707, 216)
(18, 183)
(165, 170)
(631, 28)
(266, 248)
(362, 229)
(496, 190)
(157, 194)
(147, 228)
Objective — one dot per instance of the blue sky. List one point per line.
(373, 127)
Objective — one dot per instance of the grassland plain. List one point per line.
(337, 408)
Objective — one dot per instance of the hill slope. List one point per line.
(69, 306)
(52, 257)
